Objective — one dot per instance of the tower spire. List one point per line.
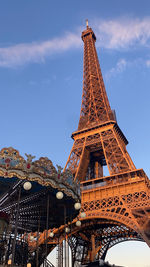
(87, 23)
(95, 108)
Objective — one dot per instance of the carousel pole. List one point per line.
(37, 244)
(16, 228)
(47, 219)
(9, 241)
(65, 258)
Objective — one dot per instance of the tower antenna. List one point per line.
(87, 23)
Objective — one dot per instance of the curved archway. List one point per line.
(131, 254)
(93, 239)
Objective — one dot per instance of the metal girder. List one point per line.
(122, 197)
(92, 240)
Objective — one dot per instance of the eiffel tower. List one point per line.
(117, 206)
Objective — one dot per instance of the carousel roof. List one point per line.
(46, 182)
(41, 171)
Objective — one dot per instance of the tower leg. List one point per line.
(93, 248)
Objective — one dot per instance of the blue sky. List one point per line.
(41, 69)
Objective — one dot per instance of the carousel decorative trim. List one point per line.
(41, 171)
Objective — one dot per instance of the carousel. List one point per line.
(37, 201)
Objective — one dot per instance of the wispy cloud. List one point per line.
(148, 63)
(123, 32)
(120, 67)
(120, 33)
(37, 52)
(122, 64)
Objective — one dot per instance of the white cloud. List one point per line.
(123, 32)
(148, 63)
(36, 52)
(120, 66)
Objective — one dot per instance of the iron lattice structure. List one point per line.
(121, 199)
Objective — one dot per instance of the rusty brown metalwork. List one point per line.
(122, 197)
(98, 140)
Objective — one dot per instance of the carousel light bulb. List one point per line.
(59, 195)
(78, 223)
(31, 238)
(9, 262)
(28, 264)
(67, 229)
(27, 186)
(82, 214)
(51, 234)
(77, 205)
